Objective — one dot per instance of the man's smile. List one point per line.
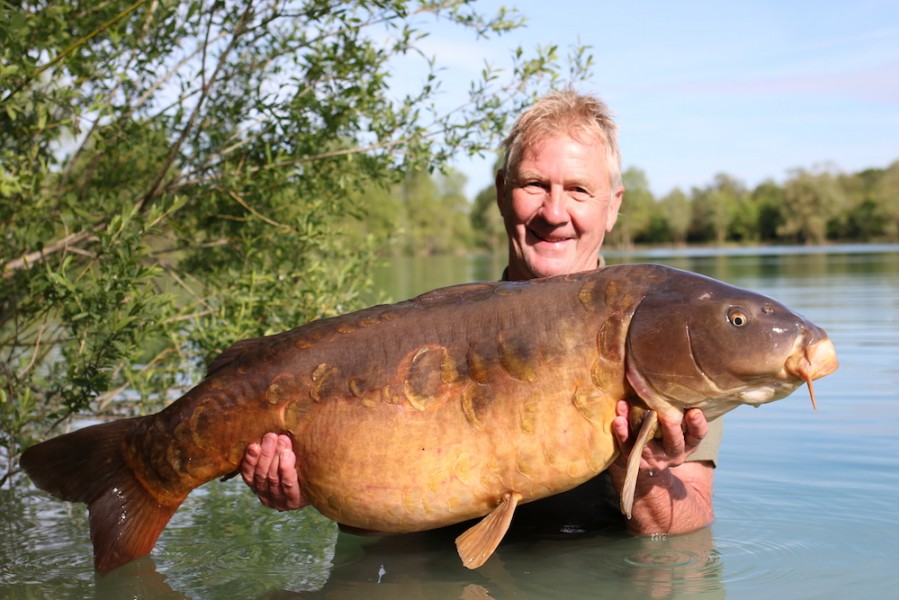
(553, 240)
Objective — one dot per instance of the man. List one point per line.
(559, 192)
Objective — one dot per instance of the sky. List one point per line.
(751, 89)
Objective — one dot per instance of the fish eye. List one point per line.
(737, 317)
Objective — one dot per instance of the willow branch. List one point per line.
(176, 147)
(38, 256)
(73, 47)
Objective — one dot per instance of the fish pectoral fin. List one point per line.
(477, 544)
(647, 431)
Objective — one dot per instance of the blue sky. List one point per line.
(751, 89)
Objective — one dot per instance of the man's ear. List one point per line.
(614, 207)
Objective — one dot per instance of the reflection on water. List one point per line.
(222, 544)
(611, 563)
(805, 501)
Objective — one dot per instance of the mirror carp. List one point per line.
(458, 404)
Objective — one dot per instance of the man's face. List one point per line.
(558, 209)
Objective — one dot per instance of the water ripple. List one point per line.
(665, 559)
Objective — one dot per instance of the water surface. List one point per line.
(805, 501)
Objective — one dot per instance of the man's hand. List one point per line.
(674, 447)
(269, 469)
(672, 496)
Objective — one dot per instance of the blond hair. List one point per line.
(582, 116)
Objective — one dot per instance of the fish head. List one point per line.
(695, 342)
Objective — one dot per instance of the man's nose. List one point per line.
(555, 209)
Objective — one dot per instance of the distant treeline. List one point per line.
(430, 214)
(810, 207)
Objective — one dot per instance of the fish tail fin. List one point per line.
(89, 465)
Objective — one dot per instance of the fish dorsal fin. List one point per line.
(477, 544)
(647, 431)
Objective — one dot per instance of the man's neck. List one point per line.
(600, 263)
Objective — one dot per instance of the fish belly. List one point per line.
(393, 468)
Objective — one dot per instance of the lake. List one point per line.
(805, 502)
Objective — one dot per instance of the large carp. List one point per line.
(457, 404)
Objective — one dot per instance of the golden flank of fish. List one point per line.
(458, 404)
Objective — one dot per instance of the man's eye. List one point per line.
(580, 193)
(534, 186)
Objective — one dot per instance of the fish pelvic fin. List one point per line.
(647, 431)
(89, 466)
(478, 543)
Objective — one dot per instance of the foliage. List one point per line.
(811, 207)
(421, 215)
(175, 176)
(436, 219)
(635, 214)
(675, 214)
(810, 200)
(488, 229)
(886, 201)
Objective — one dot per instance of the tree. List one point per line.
(637, 209)
(486, 221)
(859, 219)
(769, 202)
(714, 208)
(434, 217)
(811, 200)
(454, 208)
(886, 199)
(675, 208)
(744, 222)
(172, 174)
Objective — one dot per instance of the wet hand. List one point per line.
(678, 440)
(269, 469)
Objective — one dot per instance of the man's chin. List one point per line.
(542, 266)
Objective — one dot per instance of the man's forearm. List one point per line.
(676, 500)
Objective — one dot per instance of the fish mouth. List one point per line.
(811, 362)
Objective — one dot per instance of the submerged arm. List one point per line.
(672, 496)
